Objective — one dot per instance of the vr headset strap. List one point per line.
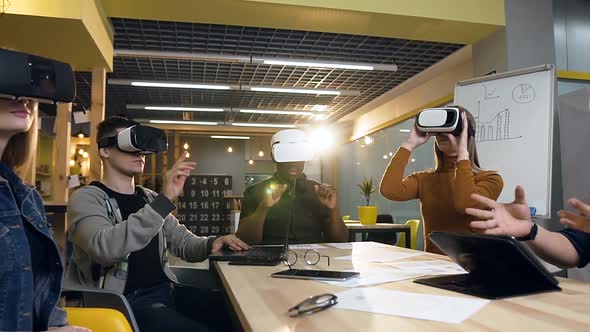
(107, 141)
(112, 276)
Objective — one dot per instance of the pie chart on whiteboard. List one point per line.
(523, 93)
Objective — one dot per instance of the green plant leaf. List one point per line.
(367, 188)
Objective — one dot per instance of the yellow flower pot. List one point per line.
(368, 215)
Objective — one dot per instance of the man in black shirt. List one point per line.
(121, 234)
(267, 206)
(143, 266)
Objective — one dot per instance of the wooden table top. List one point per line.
(262, 302)
(359, 226)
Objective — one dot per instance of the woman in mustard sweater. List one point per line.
(444, 192)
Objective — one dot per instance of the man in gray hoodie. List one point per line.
(121, 233)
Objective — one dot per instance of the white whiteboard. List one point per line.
(514, 115)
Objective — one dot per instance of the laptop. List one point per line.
(498, 266)
(258, 255)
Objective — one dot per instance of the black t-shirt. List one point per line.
(144, 267)
(310, 217)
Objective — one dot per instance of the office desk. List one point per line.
(261, 303)
(358, 228)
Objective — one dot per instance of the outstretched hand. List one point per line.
(502, 219)
(580, 221)
(176, 176)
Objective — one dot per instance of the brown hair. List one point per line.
(439, 156)
(109, 126)
(20, 148)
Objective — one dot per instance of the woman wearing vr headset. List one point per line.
(30, 267)
(444, 192)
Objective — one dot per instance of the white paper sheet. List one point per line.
(73, 181)
(422, 306)
(375, 276)
(429, 267)
(351, 245)
(81, 117)
(306, 246)
(379, 257)
(550, 267)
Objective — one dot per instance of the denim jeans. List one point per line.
(154, 310)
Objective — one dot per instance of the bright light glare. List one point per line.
(321, 139)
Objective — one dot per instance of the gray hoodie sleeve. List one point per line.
(184, 244)
(92, 231)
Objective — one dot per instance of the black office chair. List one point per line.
(383, 238)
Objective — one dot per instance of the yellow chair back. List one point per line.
(98, 319)
(414, 224)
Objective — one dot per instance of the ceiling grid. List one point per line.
(411, 57)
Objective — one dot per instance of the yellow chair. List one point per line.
(414, 224)
(88, 305)
(98, 319)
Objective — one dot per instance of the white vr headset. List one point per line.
(138, 138)
(442, 120)
(291, 145)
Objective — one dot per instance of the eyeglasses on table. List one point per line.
(313, 304)
(311, 257)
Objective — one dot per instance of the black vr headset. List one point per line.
(138, 138)
(29, 77)
(442, 120)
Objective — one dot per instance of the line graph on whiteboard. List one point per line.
(498, 128)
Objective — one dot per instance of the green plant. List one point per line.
(367, 188)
